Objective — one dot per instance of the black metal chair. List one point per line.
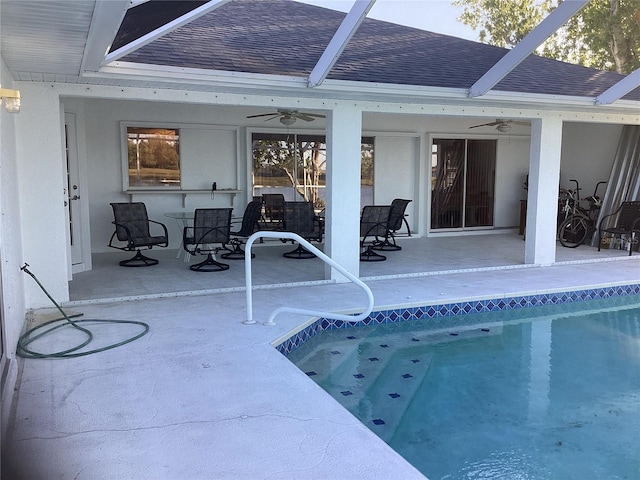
(133, 227)
(273, 210)
(211, 226)
(299, 217)
(396, 219)
(627, 223)
(373, 225)
(249, 225)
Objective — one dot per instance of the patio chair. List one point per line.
(627, 223)
(373, 226)
(273, 210)
(396, 219)
(299, 217)
(133, 227)
(249, 225)
(211, 226)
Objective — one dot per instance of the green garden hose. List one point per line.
(65, 321)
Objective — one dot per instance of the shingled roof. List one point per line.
(283, 37)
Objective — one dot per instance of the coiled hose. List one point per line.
(65, 321)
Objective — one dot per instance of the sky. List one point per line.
(438, 16)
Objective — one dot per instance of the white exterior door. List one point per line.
(77, 246)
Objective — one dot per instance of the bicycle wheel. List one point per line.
(573, 231)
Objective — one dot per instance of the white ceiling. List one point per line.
(29, 29)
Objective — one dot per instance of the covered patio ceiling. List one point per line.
(89, 41)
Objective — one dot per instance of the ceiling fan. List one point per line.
(501, 125)
(289, 117)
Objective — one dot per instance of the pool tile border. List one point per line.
(397, 315)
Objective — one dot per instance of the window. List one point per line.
(462, 183)
(153, 157)
(295, 165)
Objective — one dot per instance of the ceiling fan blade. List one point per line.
(487, 124)
(521, 123)
(273, 115)
(304, 116)
(263, 115)
(316, 115)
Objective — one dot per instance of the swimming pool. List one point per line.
(544, 393)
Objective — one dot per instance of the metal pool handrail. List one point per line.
(321, 256)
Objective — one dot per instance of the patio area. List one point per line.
(205, 396)
(418, 257)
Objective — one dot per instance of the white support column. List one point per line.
(42, 186)
(342, 230)
(542, 200)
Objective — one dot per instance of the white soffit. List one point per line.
(620, 89)
(166, 28)
(528, 44)
(336, 46)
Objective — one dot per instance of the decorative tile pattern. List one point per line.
(455, 312)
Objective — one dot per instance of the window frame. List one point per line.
(126, 186)
(269, 132)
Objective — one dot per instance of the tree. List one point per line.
(301, 163)
(605, 34)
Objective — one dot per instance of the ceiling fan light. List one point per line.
(287, 120)
(504, 127)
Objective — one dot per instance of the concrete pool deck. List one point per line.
(205, 396)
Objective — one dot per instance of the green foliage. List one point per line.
(503, 23)
(605, 34)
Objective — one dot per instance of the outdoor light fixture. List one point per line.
(12, 99)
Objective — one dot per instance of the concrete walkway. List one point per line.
(204, 396)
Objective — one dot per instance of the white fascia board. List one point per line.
(528, 44)
(150, 72)
(450, 93)
(267, 98)
(430, 96)
(163, 30)
(620, 89)
(339, 41)
(262, 84)
(105, 22)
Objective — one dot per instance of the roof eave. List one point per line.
(342, 89)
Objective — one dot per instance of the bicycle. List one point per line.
(579, 223)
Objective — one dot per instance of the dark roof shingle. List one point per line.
(282, 37)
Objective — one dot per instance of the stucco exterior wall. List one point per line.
(13, 305)
(12, 294)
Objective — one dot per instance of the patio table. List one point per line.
(183, 219)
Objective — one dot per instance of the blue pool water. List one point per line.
(545, 393)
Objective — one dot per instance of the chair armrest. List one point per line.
(130, 242)
(372, 228)
(196, 242)
(609, 216)
(164, 228)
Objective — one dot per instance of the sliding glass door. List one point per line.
(462, 183)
